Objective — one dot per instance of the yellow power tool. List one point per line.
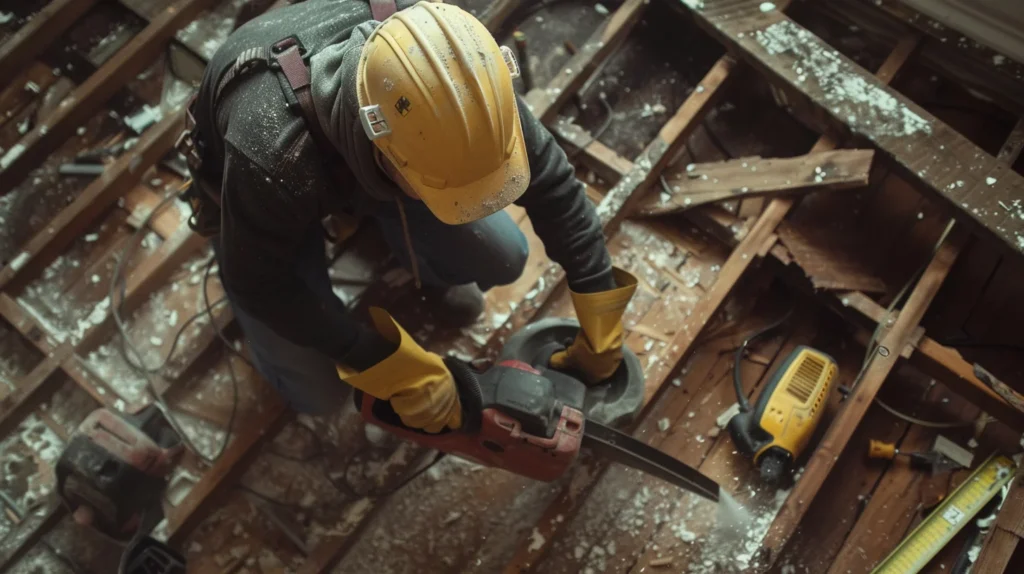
(778, 427)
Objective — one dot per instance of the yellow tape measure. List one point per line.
(950, 517)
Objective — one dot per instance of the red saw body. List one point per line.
(529, 420)
(524, 424)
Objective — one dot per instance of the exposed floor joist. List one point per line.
(87, 98)
(927, 152)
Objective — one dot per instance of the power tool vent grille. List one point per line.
(806, 378)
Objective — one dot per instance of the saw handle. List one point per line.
(470, 397)
(522, 427)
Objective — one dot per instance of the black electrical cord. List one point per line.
(609, 116)
(737, 380)
(117, 293)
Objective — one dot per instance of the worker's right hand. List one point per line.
(417, 383)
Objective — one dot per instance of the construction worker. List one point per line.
(426, 137)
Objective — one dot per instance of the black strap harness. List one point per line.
(290, 58)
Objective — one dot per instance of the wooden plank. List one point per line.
(497, 12)
(140, 201)
(15, 544)
(702, 183)
(37, 34)
(74, 219)
(949, 367)
(90, 96)
(621, 200)
(839, 432)
(30, 389)
(996, 553)
(1014, 144)
(188, 514)
(600, 158)
(545, 102)
(1011, 515)
(824, 257)
(145, 279)
(929, 153)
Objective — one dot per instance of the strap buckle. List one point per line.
(282, 46)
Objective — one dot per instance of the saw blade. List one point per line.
(624, 449)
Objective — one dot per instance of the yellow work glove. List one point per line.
(597, 350)
(418, 385)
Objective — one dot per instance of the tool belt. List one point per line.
(290, 58)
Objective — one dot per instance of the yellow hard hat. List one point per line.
(435, 95)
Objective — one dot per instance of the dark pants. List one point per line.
(489, 252)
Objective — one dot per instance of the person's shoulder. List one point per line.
(262, 127)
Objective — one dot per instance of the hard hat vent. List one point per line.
(373, 122)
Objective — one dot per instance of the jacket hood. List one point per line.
(333, 73)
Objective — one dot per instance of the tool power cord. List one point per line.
(737, 379)
(133, 357)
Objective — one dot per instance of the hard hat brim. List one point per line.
(485, 196)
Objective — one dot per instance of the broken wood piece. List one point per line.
(140, 201)
(1012, 397)
(828, 258)
(700, 184)
(646, 331)
(664, 561)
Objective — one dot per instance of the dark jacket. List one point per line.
(275, 187)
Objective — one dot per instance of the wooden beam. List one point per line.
(942, 363)
(90, 96)
(19, 541)
(621, 200)
(497, 12)
(75, 219)
(140, 201)
(600, 158)
(926, 151)
(30, 390)
(545, 102)
(45, 27)
(996, 553)
(145, 279)
(856, 405)
(1010, 151)
(699, 184)
(184, 517)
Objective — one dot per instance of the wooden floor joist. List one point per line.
(116, 180)
(39, 33)
(89, 97)
(546, 101)
(930, 154)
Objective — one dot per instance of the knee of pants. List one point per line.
(508, 266)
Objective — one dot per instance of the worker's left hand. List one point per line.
(597, 350)
(419, 386)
